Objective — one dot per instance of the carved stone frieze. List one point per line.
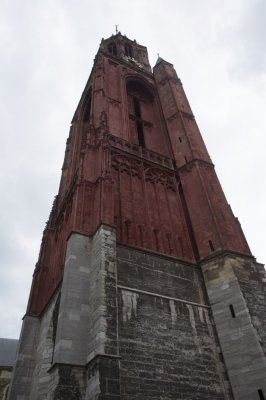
(139, 151)
(158, 175)
(65, 209)
(125, 164)
(131, 166)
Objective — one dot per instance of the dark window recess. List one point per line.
(211, 245)
(232, 311)
(87, 112)
(140, 134)
(261, 394)
(156, 237)
(212, 187)
(180, 139)
(136, 107)
(128, 50)
(139, 122)
(180, 241)
(127, 223)
(112, 49)
(222, 214)
(140, 235)
(168, 236)
(185, 159)
(225, 376)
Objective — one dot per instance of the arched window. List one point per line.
(128, 50)
(139, 122)
(112, 49)
(141, 112)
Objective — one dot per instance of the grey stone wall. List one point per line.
(134, 324)
(43, 354)
(22, 376)
(61, 351)
(167, 341)
(252, 281)
(5, 378)
(86, 336)
(102, 294)
(104, 378)
(31, 377)
(73, 318)
(231, 296)
(67, 382)
(102, 351)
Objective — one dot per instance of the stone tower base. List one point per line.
(133, 324)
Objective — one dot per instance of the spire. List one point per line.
(160, 59)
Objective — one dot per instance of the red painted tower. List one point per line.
(145, 286)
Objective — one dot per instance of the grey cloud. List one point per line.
(246, 40)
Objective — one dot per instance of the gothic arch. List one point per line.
(158, 175)
(141, 82)
(143, 112)
(112, 49)
(129, 50)
(125, 164)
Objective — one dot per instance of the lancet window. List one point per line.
(112, 49)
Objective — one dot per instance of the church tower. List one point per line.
(145, 287)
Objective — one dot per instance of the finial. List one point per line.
(116, 29)
(158, 55)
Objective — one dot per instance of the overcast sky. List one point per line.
(47, 49)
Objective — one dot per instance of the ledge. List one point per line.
(103, 355)
(158, 254)
(226, 253)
